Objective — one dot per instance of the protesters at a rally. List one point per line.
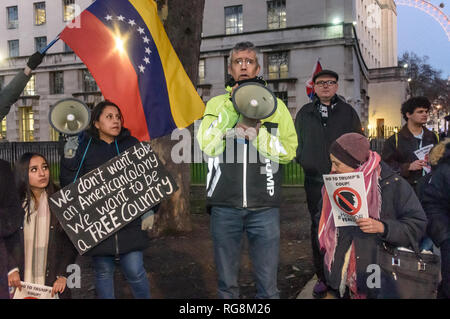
(104, 139)
(436, 203)
(10, 93)
(11, 217)
(318, 124)
(398, 150)
(41, 251)
(392, 215)
(243, 194)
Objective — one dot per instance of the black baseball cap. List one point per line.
(326, 72)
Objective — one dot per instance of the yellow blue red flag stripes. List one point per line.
(125, 47)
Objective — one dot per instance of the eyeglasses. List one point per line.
(322, 83)
(247, 61)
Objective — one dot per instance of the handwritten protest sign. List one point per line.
(422, 154)
(33, 291)
(348, 197)
(108, 198)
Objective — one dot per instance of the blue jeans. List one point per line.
(132, 265)
(263, 233)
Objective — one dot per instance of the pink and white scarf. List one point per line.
(327, 229)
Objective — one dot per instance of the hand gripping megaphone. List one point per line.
(69, 116)
(254, 102)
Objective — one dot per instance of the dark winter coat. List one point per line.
(314, 139)
(11, 217)
(60, 254)
(129, 238)
(10, 93)
(436, 200)
(400, 154)
(401, 213)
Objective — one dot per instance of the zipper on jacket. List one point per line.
(244, 180)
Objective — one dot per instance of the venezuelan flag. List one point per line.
(124, 45)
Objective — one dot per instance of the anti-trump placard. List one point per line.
(348, 198)
(111, 196)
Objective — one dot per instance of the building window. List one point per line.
(13, 17)
(13, 48)
(67, 48)
(201, 71)
(26, 124)
(30, 89)
(57, 82)
(233, 20)
(277, 65)
(39, 13)
(3, 128)
(276, 14)
(283, 96)
(69, 10)
(89, 84)
(40, 43)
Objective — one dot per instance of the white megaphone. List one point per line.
(69, 116)
(254, 102)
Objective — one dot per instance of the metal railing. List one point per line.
(12, 151)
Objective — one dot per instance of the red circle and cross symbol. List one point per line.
(341, 197)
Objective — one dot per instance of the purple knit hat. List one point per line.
(351, 149)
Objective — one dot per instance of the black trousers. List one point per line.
(313, 188)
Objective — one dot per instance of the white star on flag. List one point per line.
(141, 30)
(131, 22)
(108, 18)
(121, 18)
(148, 51)
(146, 40)
(141, 68)
(146, 60)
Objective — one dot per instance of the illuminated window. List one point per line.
(89, 84)
(39, 13)
(3, 129)
(40, 43)
(201, 71)
(13, 48)
(277, 65)
(276, 14)
(13, 17)
(26, 124)
(233, 20)
(69, 10)
(57, 82)
(30, 89)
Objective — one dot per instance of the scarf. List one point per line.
(36, 234)
(327, 230)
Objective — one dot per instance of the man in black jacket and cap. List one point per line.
(318, 124)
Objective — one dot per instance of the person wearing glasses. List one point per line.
(244, 180)
(318, 124)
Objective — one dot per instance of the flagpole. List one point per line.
(42, 51)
